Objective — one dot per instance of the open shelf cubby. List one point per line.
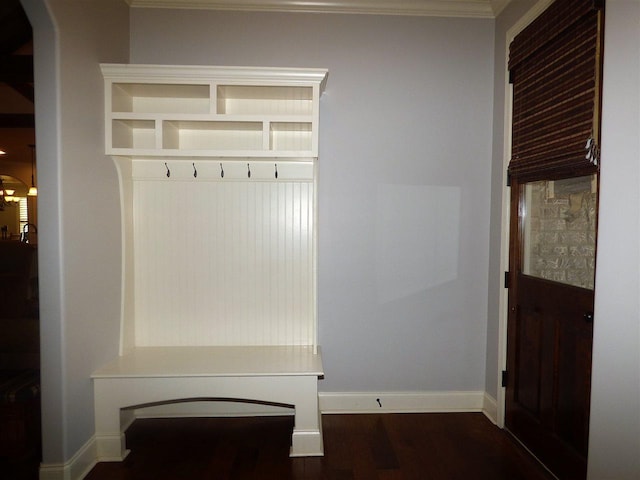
(212, 135)
(160, 98)
(134, 134)
(264, 100)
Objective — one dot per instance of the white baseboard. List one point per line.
(490, 408)
(401, 402)
(76, 468)
(330, 403)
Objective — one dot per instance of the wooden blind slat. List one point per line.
(556, 19)
(554, 71)
(561, 56)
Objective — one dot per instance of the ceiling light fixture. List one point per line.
(33, 191)
(6, 197)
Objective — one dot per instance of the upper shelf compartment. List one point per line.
(186, 111)
(159, 98)
(264, 100)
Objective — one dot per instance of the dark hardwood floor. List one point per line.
(447, 446)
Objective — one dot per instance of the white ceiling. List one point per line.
(441, 8)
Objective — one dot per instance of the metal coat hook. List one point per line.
(248, 171)
(195, 172)
(276, 172)
(168, 171)
(221, 171)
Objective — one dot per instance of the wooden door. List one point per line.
(550, 322)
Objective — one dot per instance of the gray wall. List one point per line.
(79, 248)
(614, 441)
(405, 149)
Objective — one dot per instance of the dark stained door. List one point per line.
(550, 321)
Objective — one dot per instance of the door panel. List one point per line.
(574, 376)
(550, 323)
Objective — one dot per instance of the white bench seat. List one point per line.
(151, 375)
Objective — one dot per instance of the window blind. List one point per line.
(24, 213)
(555, 69)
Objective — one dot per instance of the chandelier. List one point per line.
(7, 198)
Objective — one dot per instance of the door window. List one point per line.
(559, 226)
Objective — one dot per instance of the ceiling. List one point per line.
(16, 83)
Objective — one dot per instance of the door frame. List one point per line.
(524, 21)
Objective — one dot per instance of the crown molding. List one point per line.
(435, 8)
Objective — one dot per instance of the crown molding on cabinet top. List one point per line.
(436, 8)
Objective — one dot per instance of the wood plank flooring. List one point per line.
(447, 446)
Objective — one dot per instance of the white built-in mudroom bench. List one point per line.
(217, 169)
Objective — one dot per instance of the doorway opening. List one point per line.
(20, 406)
(550, 323)
(554, 98)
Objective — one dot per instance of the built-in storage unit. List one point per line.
(271, 114)
(217, 172)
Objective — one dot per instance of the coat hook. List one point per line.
(221, 171)
(168, 171)
(276, 173)
(248, 171)
(195, 172)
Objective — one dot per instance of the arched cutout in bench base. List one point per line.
(208, 407)
(210, 399)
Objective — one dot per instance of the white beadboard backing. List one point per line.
(223, 261)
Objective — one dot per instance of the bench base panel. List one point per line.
(115, 396)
